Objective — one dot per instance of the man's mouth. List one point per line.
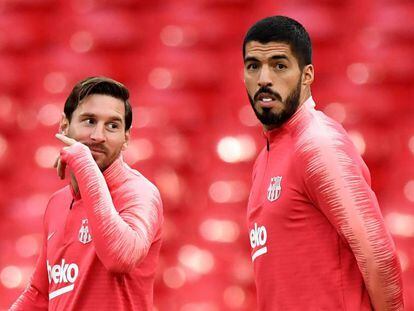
(266, 100)
(95, 149)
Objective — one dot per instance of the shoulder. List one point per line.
(60, 196)
(322, 144)
(139, 187)
(135, 178)
(319, 133)
(59, 200)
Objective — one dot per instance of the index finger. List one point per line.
(67, 140)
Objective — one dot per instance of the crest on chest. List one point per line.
(84, 234)
(275, 188)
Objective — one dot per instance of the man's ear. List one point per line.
(127, 135)
(64, 124)
(308, 75)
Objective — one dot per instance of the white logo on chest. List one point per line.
(275, 188)
(63, 273)
(84, 235)
(258, 239)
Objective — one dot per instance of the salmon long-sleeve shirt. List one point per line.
(101, 246)
(317, 236)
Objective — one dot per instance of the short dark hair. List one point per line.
(282, 29)
(98, 85)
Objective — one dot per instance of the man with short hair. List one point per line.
(102, 233)
(317, 235)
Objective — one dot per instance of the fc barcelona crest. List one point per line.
(275, 188)
(84, 235)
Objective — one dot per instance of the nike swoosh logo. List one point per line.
(50, 235)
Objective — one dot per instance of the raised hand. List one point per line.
(59, 164)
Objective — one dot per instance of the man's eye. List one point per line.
(252, 66)
(89, 121)
(113, 126)
(280, 66)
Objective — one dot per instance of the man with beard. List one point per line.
(317, 235)
(101, 236)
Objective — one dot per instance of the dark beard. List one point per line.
(291, 104)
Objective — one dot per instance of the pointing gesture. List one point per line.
(59, 164)
(66, 140)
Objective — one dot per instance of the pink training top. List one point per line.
(317, 235)
(101, 247)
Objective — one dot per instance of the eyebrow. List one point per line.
(250, 59)
(91, 115)
(274, 57)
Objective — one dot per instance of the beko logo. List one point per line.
(62, 273)
(258, 238)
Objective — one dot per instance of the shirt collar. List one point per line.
(271, 135)
(113, 176)
(114, 172)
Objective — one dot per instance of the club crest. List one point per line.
(275, 188)
(84, 235)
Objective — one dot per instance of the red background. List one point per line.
(182, 62)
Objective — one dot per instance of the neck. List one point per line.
(305, 95)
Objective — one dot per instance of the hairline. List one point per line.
(123, 119)
(275, 41)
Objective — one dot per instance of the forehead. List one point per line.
(104, 106)
(266, 50)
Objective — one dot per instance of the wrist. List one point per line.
(76, 156)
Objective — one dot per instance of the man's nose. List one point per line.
(264, 77)
(98, 133)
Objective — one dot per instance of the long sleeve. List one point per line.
(35, 296)
(338, 183)
(122, 239)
